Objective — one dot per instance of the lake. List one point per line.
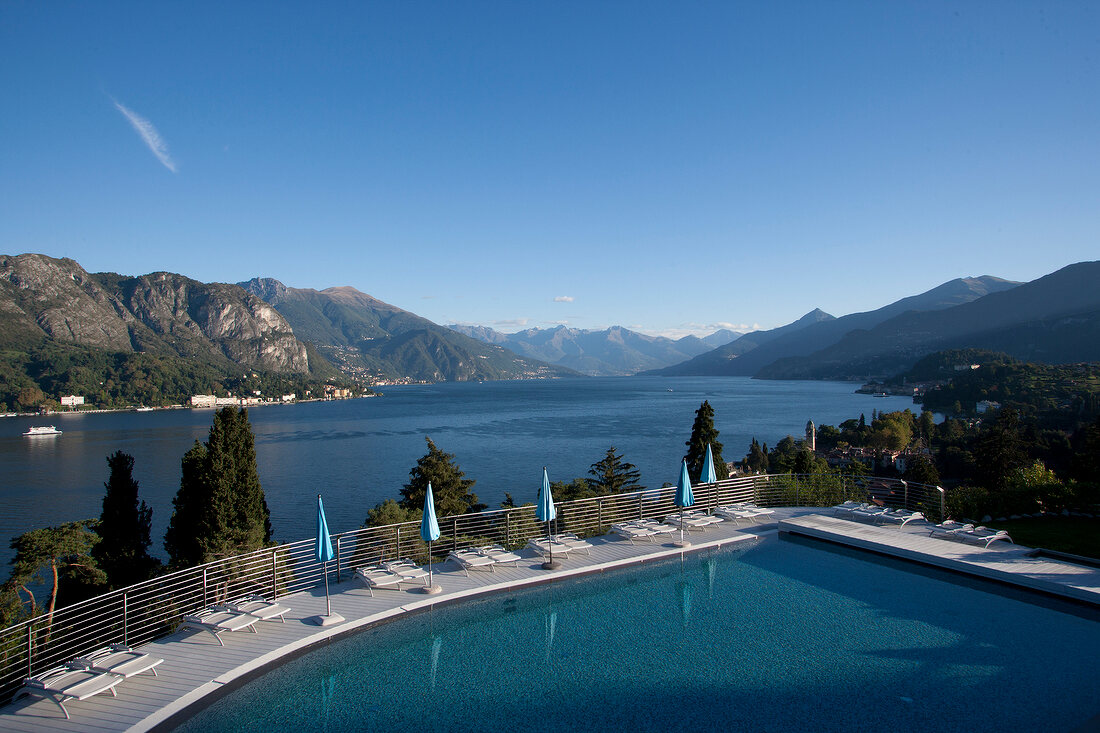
(359, 452)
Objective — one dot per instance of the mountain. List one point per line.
(366, 337)
(721, 361)
(1054, 319)
(614, 351)
(45, 300)
(721, 337)
(827, 331)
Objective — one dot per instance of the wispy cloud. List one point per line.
(148, 134)
(509, 322)
(563, 299)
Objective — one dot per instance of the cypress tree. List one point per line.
(703, 433)
(450, 487)
(123, 548)
(220, 509)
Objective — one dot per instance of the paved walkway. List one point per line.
(195, 665)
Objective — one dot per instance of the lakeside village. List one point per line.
(78, 403)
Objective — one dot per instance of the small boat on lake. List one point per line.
(42, 430)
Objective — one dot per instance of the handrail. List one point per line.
(153, 608)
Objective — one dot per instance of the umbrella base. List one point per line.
(548, 565)
(429, 590)
(681, 543)
(326, 620)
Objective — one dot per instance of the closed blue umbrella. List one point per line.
(322, 552)
(429, 532)
(684, 498)
(708, 476)
(545, 511)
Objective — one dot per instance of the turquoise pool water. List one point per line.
(776, 636)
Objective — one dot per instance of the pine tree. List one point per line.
(450, 488)
(123, 548)
(703, 433)
(220, 509)
(613, 475)
(1000, 450)
(54, 556)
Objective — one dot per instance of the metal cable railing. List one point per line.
(154, 608)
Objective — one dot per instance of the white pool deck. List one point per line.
(196, 666)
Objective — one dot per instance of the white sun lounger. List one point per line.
(574, 542)
(499, 554)
(543, 546)
(849, 506)
(634, 532)
(692, 521)
(117, 659)
(375, 577)
(948, 529)
(656, 527)
(738, 512)
(62, 684)
(407, 569)
(983, 536)
(467, 559)
(872, 513)
(257, 606)
(900, 517)
(218, 622)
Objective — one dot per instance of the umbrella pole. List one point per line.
(328, 599)
(550, 564)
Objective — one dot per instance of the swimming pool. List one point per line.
(775, 636)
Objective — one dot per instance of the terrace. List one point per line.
(195, 666)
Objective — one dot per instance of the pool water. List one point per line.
(774, 636)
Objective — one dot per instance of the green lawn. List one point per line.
(1075, 535)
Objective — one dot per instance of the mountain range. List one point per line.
(373, 340)
(818, 330)
(614, 351)
(263, 324)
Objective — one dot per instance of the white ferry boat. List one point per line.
(42, 430)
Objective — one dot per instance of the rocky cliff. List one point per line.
(42, 298)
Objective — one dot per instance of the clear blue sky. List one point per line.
(666, 166)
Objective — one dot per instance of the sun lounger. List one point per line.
(467, 559)
(218, 622)
(574, 542)
(375, 577)
(407, 569)
(634, 532)
(62, 684)
(900, 517)
(698, 522)
(499, 554)
(948, 529)
(848, 506)
(983, 535)
(656, 527)
(735, 512)
(543, 546)
(257, 606)
(871, 513)
(117, 659)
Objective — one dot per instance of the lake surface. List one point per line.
(359, 452)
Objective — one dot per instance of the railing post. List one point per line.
(125, 620)
(398, 540)
(640, 505)
(454, 533)
(30, 648)
(905, 493)
(507, 527)
(338, 538)
(204, 604)
(599, 515)
(274, 573)
(943, 503)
